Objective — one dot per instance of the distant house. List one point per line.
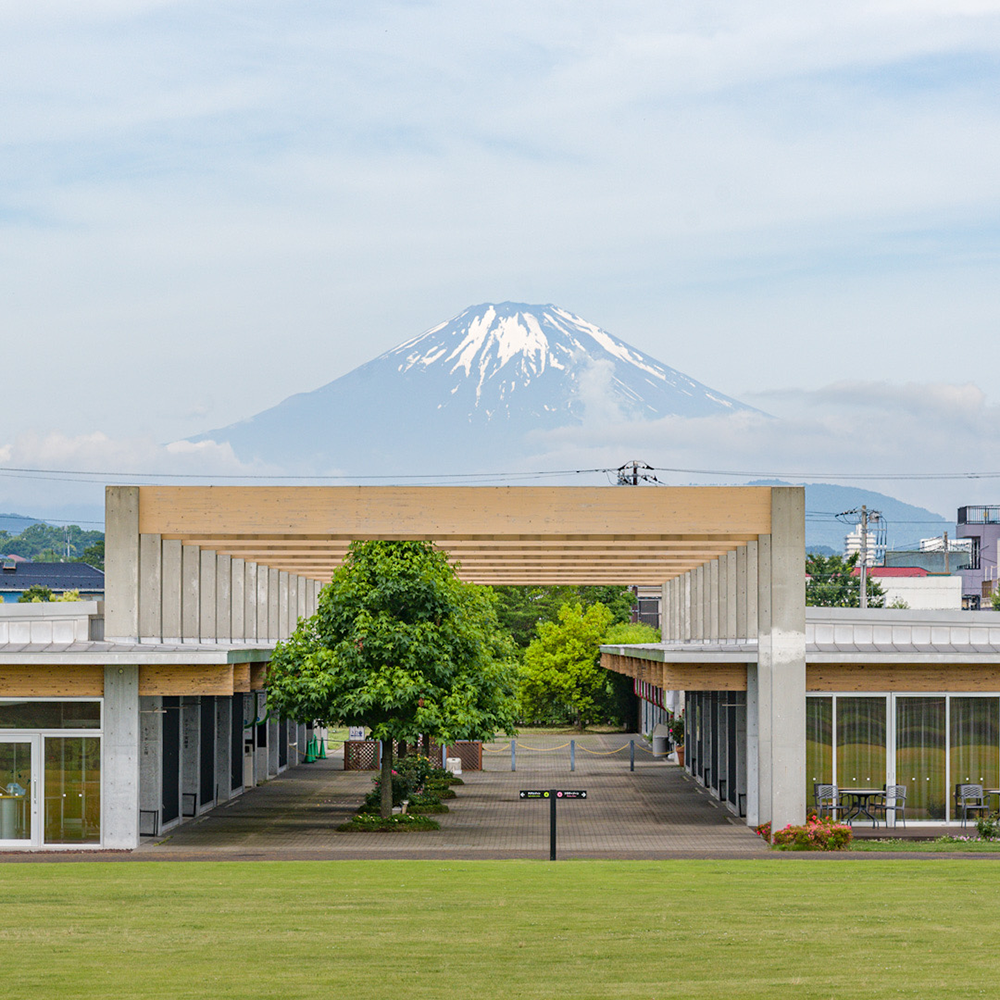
(920, 590)
(17, 575)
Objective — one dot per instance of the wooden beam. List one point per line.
(433, 511)
(176, 679)
(34, 681)
(972, 677)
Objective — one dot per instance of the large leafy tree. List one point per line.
(523, 608)
(561, 675)
(399, 644)
(832, 583)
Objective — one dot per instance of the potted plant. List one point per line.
(677, 735)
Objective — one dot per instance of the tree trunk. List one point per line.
(385, 781)
(427, 741)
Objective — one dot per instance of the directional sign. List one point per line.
(553, 795)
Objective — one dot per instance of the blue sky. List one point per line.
(206, 207)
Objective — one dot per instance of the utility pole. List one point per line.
(629, 474)
(864, 557)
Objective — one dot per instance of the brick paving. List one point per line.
(654, 812)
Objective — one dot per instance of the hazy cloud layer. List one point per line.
(207, 207)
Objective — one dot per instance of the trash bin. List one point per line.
(661, 740)
(453, 764)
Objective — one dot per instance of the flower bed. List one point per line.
(815, 835)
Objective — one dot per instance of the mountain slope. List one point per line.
(473, 387)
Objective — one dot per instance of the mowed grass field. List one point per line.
(799, 927)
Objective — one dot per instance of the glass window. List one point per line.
(861, 735)
(72, 789)
(819, 745)
(50, 715)
(975, 737)
(920, 756)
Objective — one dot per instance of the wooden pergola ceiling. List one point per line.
(522, 535)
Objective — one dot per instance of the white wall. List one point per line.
(924, 593)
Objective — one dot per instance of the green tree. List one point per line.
(831, 583)
(93, 555)
(35, 594)
(522, 608)
(399, 644)
(50, 542)
(630, 633)
(561, 676)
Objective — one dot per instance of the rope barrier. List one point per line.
(603, 753)
(543, 749)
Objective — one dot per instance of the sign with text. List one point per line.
(553, 795)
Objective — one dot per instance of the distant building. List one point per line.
(942, 543)
(918, 589)
(875, 549)
(17, 575)
(981, 525)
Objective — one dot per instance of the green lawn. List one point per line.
(484, 930)
(928, 846)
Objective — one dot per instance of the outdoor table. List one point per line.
(862, 798)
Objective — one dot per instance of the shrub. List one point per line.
(989, 827)
(373, 823)
(816, 835)
(764, 830)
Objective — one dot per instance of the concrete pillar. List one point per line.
(697, 603)
(666, 611)
(765, 674)
(151, 754)
(150, 587)
(751, 591)
(723, 596)
(713, 600)
(120, 767)
(741, 592)
(731, 594)
(238, 609)
(788, 656)
(303, 598)
(250, 603)
(190, 754)
(686, 606)
(261, 748)
(223, 748)
(121, 563)
(753, 749)
(170, 590)
(190, 593)
(207, 596)
(283, 631)
(273, 748)
(273, 604)
(262, 606)
(223, 598)
(293, 602)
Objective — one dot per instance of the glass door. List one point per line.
(19, 790)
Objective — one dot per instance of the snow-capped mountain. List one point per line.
(482, 381)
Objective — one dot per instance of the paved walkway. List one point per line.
(654, 812)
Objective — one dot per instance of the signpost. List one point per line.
(553, 795)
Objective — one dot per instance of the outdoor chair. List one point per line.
(828, 797)
(896, 794)
(970, 799)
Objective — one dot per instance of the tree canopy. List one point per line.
(521, 609)
(561, 677)
(401, 645)
(831, 583)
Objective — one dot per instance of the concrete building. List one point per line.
(140, 717)
(917, 589)
(981, 525)
(891, 697)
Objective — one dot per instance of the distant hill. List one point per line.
(905, 523)
(16, 523)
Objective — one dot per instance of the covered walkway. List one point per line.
(656, 811)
